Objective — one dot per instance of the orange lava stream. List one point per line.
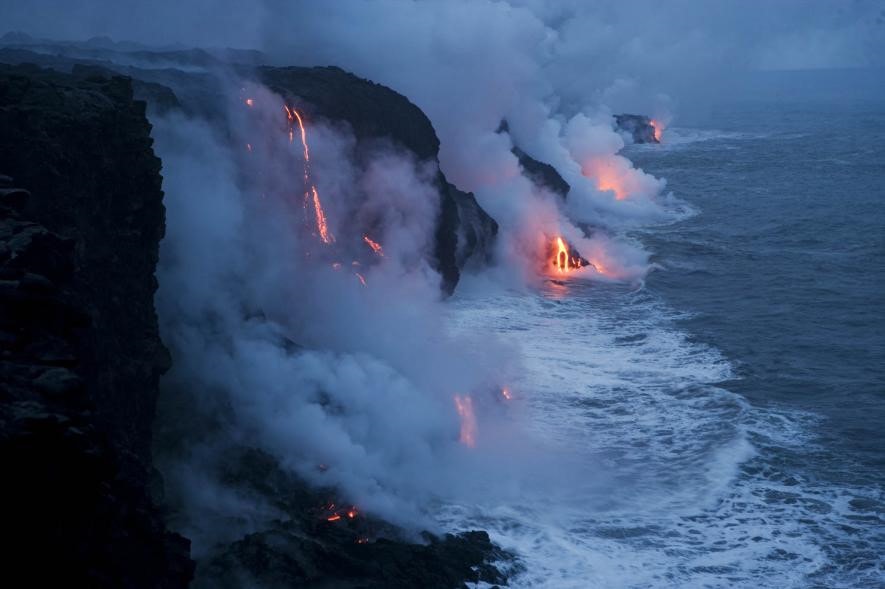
(312, 195)
(294, 116)
(376, 247)
(561, 261)
(323, 228)
(464, 406)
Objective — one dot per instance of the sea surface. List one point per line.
(731, 409)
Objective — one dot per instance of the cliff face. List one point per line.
(81, 354)
(541, 173)
(465, 232)
(82, 357)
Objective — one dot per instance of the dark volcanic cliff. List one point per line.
(465, 232)
(81, 354)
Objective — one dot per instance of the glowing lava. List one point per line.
(561, 261)
(311, 195)
(659, 129)
(464, 406)
(505, 392)
(376, 247)
(322, 227)
(608, 178)
(337, 514)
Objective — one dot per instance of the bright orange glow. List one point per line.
(293, 116)
(608, 179)
(561, 261)
(659, 129)
(362, 278)
(333, 518)
(464, 406)
(352, 513)
(505, 392)
(311, 195)
(323, 228)
(376, 247)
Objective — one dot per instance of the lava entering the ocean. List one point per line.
(563, 259)
(659, 129)
(464, 406)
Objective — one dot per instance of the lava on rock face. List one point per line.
(563, 258)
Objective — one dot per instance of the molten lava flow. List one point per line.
(311, 195)
(293, 116)
(464, 406)
(561, 260)
(659, 129)
(376, 247)
(325, 235)
(334, 514)
(505, 392)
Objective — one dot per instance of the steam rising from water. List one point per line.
(322, 352)
(280, 346)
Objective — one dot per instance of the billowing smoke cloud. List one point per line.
(332, 357)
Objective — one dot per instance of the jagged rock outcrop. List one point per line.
(639, 127)
(541, 173)
(81, 355)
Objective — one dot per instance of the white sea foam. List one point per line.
(674, 484)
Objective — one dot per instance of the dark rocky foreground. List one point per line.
(81, 355)
(306, 549)
(81, 360)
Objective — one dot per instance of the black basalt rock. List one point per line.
(80, 354)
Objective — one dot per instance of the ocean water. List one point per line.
(728, 416)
